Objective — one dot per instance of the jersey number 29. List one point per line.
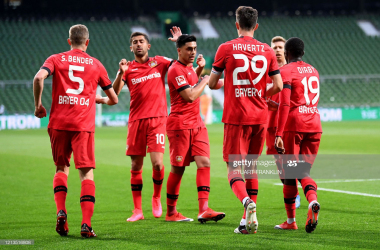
(260, 71)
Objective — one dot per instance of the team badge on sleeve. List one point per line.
(153, 64)
(180, 80)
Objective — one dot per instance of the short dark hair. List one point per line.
(185, 38)
(138, 34)
(295, 47)
(78, 34)
(246, 17)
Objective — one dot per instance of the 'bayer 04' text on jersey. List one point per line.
(183, 114)
(303, 81)
(246, 63)
(76, 76)
(146, 83)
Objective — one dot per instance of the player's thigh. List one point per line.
(61, 146)
(179, 147)
(156, 134)
(200, 143)
(310, 146)
(83, 144)
(137, 137)
(236, 141)
(257, 139)
(292, 142)
(270, 138)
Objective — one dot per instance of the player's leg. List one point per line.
(136, 187)
(270, 138)
(179, 141)
(61, 151)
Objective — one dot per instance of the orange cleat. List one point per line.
(177, 217)
(210, 214)
(156, 207)
(62, 227)
(312, 217)
(87, 231)
(137, 215)
(287, 226)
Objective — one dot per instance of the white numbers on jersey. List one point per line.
(308, 86)
(75, 79)
(260, 71)
(160, 138)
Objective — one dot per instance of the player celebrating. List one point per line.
(145, 78)
(187, 133)
(299, 131)
(246, 63)
(71, 128)
(277, 44)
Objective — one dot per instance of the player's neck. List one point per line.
(296, 59)
(246, 33)
(82, 48)
(281, 63)
(142, 59)
(181, 61)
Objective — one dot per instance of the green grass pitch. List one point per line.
(27, 208)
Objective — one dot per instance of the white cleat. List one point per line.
(251, 218)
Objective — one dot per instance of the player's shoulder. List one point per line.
(162, 59)
(175, 68)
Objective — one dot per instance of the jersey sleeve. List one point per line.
(219, 61)
(178, 79)
(49, 65)
(273, 65)
(165, 60)
(104, 80)
(286, 78)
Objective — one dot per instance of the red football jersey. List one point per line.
(183, 114)
(246, 63)
(146, 83)
(302, 80)
(272, 115)
(76, 76)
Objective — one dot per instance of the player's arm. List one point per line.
(190, 94)
(201, 62)
(118, 83)
(111, 98)
(38, 86)
(277, 85)
(283, 112)
(215, 78)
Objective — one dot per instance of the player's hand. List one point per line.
(176, 32)
(272, 105)
(205, 78)
(123, 65)
(40, 111)
(201, 61)
(99, 99)
(279, 145)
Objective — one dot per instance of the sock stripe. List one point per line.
(172, 196)
(309, 188)
(252, 191)
(158, 182)
(235, 179)
(290, 200)
(136, 187)
(203, 188)
(60, 189)
(89, 198)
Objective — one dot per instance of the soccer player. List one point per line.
(277, 44)
(186, 131)
(145, 78)
(246, 63)
(71, 128)
(299, 131)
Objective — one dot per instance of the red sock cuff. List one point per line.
(158, 174)
(60, 179)
(290, 191)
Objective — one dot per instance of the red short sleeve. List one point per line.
(178, 79)
(220, 56)
(49, 65)
(286, 76)
(273, 65)
(104, 80)
(165, 60)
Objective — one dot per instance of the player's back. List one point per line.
(76, 76)
(246, 63)
(303, 79)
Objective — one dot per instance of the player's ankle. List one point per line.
(291, 220)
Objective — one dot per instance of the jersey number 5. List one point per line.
(260, 71)
(75, 79)
(308, 86)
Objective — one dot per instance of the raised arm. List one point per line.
(201, 62)
(191, 94)
(38, 86)
(176, 32)
(118, 82)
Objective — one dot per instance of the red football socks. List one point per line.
(158, 177)
(136, 187)
(87, 201)
(290, 193)
(309, 188)
(203, 185)
(237, 185)
(173, 185)
(252, 186)
(60, 191)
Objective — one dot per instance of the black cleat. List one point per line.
(87, 231)
(241, 230)
(62, 227)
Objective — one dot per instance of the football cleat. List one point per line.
(298, 201)
(209, 214)
(250, 215)
(287, 226)
(62, 227)
(87, 231)
(156, 207)
(137, 215)
(312, 217)
(241, 230)
(177, 217)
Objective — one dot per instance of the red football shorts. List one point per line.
(146, 132)
(243, 139)
(301, 143)
(81, 143)
(270, 138)
(187, 143)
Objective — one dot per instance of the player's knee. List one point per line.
(86, 174)
(204, 163)
(62, 169)
(157, 165)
